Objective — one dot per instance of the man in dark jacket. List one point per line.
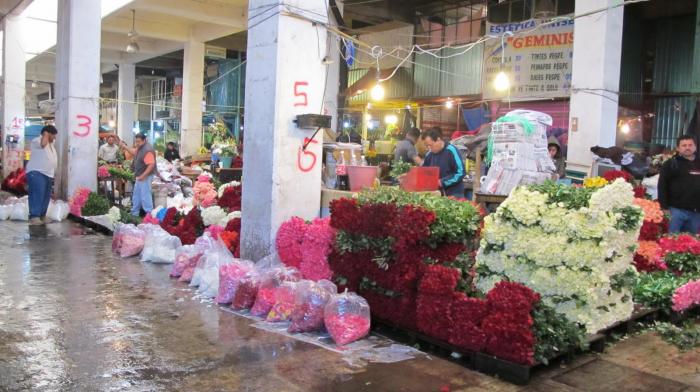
(171, 152)
(679, 187)
(446, 157)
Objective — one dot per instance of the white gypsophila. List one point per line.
(223, 187)
(213, 215)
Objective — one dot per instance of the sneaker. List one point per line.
(46, 220)
(35, 222)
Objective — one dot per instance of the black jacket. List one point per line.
(679, 184)
(171, 155)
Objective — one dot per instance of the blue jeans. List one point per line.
(142, 196)
(684, 221)
(40, 189)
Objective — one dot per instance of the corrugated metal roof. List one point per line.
(673, 63)
(398, 87)
(672, 117)
(631, 76)
(453, 76)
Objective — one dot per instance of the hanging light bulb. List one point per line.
(369, 105)
(35, 84)
(502, 82)
(391, 119)
(133, 47)
(377, 92)
(449, 104)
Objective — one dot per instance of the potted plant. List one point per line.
(227, 155)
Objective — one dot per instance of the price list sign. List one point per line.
(537, 59)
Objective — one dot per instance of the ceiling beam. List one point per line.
(220, 14)
(118, 41)
(150, 29)
(203, 32)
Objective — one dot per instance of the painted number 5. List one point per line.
(305, 153)
(84, 123)
(304, 101)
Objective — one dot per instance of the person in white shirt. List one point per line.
(40, 173)
(108, 151)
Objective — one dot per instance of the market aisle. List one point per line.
(73, 317)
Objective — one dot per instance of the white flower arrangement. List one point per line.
(114, 215)
(214, 216)
(570, 255)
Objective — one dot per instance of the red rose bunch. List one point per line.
(232, 198)
(439, 280)
(344, 215)
(613, 175)
(410, 226)
(467, 315)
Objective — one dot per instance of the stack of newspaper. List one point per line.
(520, 155)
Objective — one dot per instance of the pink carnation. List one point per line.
(150, 219)
(204, 192)
(102, 172)
(686, 296)
(203, 178)
(215, 231)
(316, 246)
(289, 238)
(78, 200)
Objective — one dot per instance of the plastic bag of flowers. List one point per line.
(230, 276)
(206, 275)
(160, 247)
(132, 240)
(284, 301)
(246, 290)
(116, 238)
(5, 211)
(309, 304)
(270, 279)
(203, 245)
(347, 318)
(186, 255)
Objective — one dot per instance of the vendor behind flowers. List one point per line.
(445, 156)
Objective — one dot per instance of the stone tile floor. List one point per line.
(74, 317)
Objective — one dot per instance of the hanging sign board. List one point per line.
(537, 59)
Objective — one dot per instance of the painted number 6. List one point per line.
(302, 152)
(85, 124)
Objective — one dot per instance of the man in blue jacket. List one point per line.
(446, 157)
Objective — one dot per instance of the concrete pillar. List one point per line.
(13, 94)
(595, 80)
(285, 77)
(192, 95)
(126, 96)
(77, 94)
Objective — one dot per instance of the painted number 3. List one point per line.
(306, 165)
(84, 123)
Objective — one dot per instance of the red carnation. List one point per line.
(433, 315)
(232, 198)
(344, 214)
(613, 175)
(234, 225)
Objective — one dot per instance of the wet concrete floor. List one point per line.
(75, 318)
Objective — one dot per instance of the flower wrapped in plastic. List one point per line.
(203, 245)
(347, 318)
(160, 247)
(116, 239)
(206, 274)
(132, 240)
(230, 276)
(270, 280)
(246, 290)
(309, 303)
(284, 302)
(185, 256)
